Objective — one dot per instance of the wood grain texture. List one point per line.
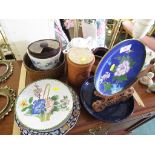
(138, 99)
(22, 79)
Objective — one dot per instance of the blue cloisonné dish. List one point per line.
(119, 68)
(113, 113)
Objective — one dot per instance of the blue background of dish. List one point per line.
(138, 56)
(113, 113)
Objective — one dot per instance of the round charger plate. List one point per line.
(44, 105)
(113, 113)
(64, 128)
(119, 68)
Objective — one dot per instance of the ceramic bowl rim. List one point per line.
(39, 71)
(28, 50)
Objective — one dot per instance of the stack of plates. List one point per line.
(113, 113)
(47, 107)
(116, 72)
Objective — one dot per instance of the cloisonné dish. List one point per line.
(119, 68)
(64, 127)
(44, 105)
(113, 113)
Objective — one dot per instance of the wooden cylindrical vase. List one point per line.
(79, 70)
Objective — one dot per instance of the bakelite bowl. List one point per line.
(47, 59)
(99, 53)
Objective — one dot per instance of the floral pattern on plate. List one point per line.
(119, 68)
(64, 128)
(119, 74)
(41, 107)
(44, 105)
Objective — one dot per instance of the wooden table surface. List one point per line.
(85, 121)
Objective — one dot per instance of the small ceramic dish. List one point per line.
(150, 75)
(147, 79)
(44, 105)
(36, 74)
(149, 55)
(119, 68)
(153, 68)
(113, 113)
(152, 87)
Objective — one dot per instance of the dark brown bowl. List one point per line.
(36, 74)
(99, 53)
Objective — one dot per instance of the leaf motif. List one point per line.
(56, 102)
(132, 63)
(107, 86)
(29, 107)
(120, 78)
(42, 117)
(118, 58)
(29, 112)
(30, 99)
(55, 97)
(56, 108)
(24, 109)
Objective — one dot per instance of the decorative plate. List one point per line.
(44, 105)
(113, 113)
(64, 128)
(119, 68)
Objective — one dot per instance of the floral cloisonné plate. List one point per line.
(44, 105)
(119, 68)
(113, 113)
(64, 128)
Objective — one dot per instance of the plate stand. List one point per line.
(104, 101)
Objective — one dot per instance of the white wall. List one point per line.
(20, 33)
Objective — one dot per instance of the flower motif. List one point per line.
(37, 91)
(23, 104)
(104, 77)
(126, 49)
(65, 101)
(49, 105)
(115, 88)
(43, 108)
(38, 106)
(56, 89)
(122, 68)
